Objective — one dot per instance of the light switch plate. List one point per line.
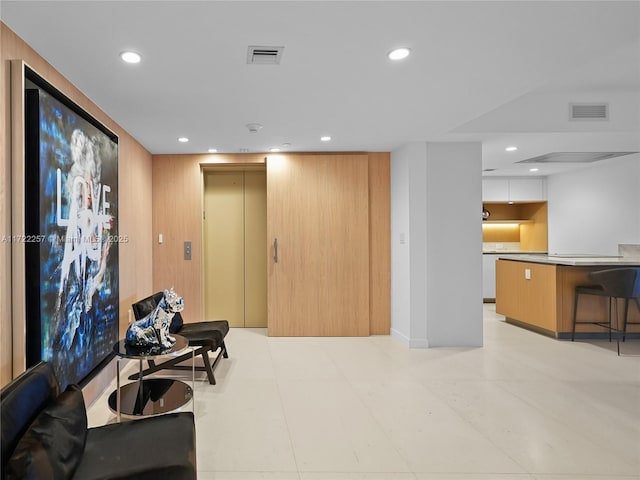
(527, 273)
(187, 250)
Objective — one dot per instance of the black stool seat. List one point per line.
(592, 290)
(205, 333)
(614, 283)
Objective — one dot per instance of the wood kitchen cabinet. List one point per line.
(529, 293)
(540, 295)
(524, 223)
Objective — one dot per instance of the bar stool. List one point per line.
(615, 283)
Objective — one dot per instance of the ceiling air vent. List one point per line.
(257, 55)
(588, 111)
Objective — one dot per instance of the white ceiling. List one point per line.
(498, 72)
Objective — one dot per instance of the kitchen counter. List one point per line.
(489, 257)
(537, 292)
(576, 260)
(514, 252)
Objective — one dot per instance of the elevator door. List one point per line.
(235, 260)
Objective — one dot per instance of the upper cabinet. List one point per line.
(527, 189)
(495, 189)
(513, 189)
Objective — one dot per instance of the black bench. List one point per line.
(205, 336)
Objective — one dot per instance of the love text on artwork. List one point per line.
(86, 241)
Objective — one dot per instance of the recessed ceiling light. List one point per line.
(325, 138)
(212, 150)
(511, 149)
(399, 53)
(130, 56)
(183, 139)
(534, 169)
(275, 149)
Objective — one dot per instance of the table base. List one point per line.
(159, 395)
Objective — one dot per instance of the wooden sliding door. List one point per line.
(318, 253)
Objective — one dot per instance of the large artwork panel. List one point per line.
(72, 238)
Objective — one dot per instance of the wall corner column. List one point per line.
(437, 244)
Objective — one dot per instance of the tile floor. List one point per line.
(523, 407)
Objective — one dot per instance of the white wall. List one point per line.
(454, 244)
(436, 244)
(400, 232)
(408, 238)
(594, 209)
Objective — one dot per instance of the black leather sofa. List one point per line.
(45, 437)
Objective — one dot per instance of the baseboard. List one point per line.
(419, 343)
(399, 336)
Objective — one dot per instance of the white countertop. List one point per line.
(514, 252)
(575, 260)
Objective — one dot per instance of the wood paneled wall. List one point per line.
(534, 236)
(380, 243)
(135, 205)
(536, 301)
(177, 214)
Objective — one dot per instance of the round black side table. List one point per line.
(148, 396)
